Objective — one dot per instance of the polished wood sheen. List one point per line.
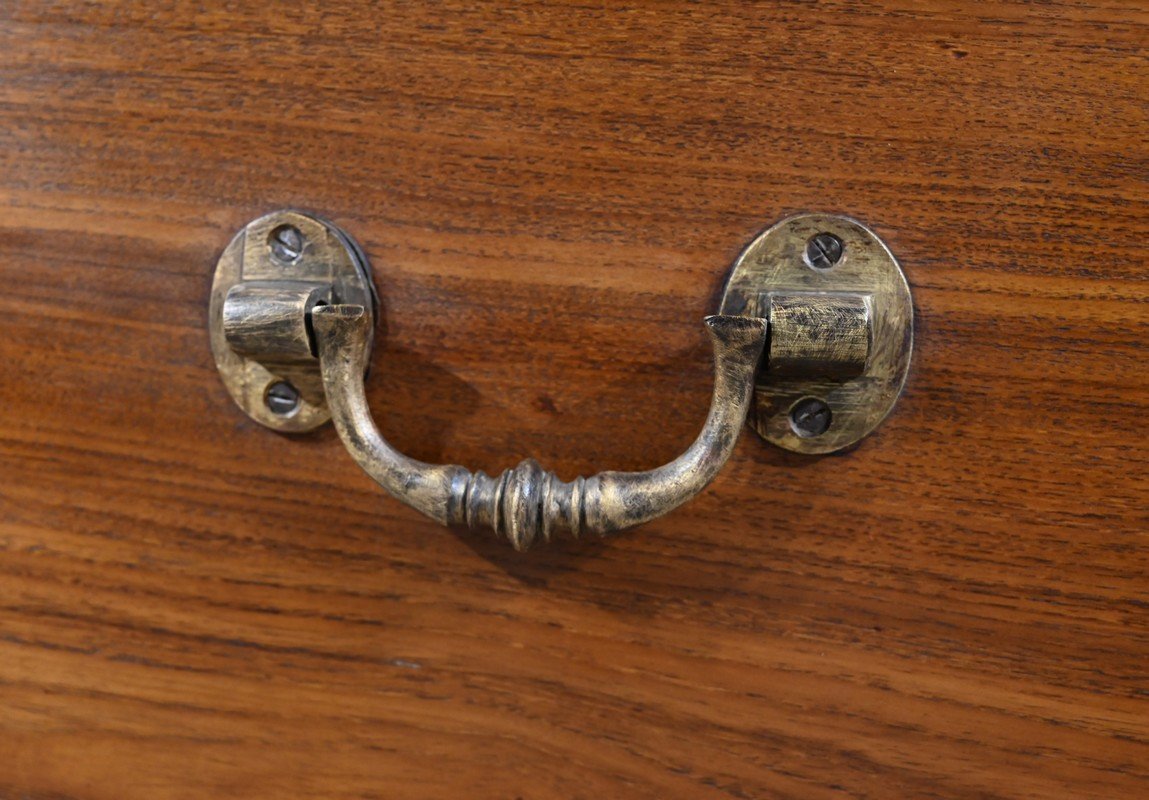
(551, 194)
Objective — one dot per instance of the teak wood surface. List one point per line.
(551, 195)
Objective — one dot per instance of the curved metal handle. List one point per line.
(527, 502)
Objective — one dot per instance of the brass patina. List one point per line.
(267, 282)
(820, 335)
(527, 503)
(819, 330)
(813, 338)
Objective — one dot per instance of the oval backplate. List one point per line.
(326, 255)
(776, 263)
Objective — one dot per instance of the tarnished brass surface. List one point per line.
(818, 335)
(261, 341)
(775, 266)
(270, 321)
(820, 297)
(527, 503)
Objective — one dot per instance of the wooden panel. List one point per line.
(551, 193)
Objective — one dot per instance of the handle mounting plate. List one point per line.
(839, 261)
(295, 257)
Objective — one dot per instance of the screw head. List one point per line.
(824, 250)
(281, 398)
(286, 243)
(810, 417)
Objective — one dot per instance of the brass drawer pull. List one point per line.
(293, 316)
(526, 503)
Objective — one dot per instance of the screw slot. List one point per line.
(286, 243)
(281, 399)
(824, 250)
(810, 417)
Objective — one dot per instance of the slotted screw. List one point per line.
(823, 250)
(286, 243)
(281, 398)
(810, 417)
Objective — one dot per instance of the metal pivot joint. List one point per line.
(293, 316)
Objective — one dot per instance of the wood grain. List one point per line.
(550, 194)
